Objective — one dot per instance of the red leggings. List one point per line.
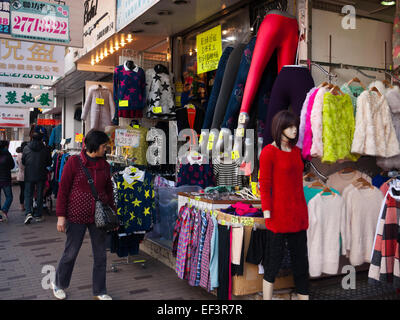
(276, 32)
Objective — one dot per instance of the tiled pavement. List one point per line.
(25, 249)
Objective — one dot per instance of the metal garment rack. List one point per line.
(359, 69)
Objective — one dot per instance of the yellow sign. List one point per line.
(240, 132)
(235, 155)
(209, 50)
(124, 103)
(234, 219)
(79, 137)
(99, 101)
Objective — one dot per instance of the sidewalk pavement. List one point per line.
(26, 249)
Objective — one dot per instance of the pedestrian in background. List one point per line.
(36, 158)
(6, 165)
(75, 210)
(20, 175)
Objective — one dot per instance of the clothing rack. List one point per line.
(349, 66)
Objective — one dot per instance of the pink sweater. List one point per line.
(307, 142)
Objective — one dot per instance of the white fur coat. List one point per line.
(317, 148)
(374, 134)
(393, 98)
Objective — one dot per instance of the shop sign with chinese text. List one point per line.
(31, 58)
(5, 16)
(209, 50)
(129, 10)
(40, 20)
(27, 98)
(14, 118)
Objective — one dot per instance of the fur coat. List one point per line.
(374, 134)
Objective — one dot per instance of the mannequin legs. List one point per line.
(268, 289)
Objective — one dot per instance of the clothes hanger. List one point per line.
(356, 80)
(376, 90)
(317, 184)
(363, 182)
(309, 175)
(336, 89)
(388, 84)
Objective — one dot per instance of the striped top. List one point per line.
(226, 172)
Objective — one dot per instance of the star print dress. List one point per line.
(129, 92)
(135, 202)
(159, 92)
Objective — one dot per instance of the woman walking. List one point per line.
(75, 210)
(6, 165)
(20, 174)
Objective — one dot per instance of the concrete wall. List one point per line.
(72, 126)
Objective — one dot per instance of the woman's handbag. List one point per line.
(104, 216)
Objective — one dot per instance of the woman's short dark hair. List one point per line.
(4, 144)
(283, 120)
(94, 139)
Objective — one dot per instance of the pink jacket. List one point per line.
(307, 142)
(303, 114)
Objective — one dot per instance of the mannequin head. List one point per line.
(285, 128)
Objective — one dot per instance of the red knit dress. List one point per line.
(281, 188)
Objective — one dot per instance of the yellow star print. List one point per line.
(119, 211)
(126, 185)
(147, 193)
(146, 211)
(137, 202)
(132, 216)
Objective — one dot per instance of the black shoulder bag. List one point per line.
(104, 216)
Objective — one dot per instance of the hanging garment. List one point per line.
(192, 229)
(393, 99)
(214, 254)
(303, 115)
(396, 39)
(100, 104)
(189, 118)
(129, 91)
(206, 256)
(135, 200)
(138, 152)
(362, 213)
(194, 280)
(276, 32)
(339, 180)
(379, 85)
(194, 245)
(308, 136)
(264, 92)
(385, 261)
(281, 188)
(354, 91)
(337, 128)
(212, 101)
(374, 134)
(226, 172)
(232, 67)
(177, 230)
(290, 89)
(327, 224)
(183, 242)
(159, 92)
(310, 193)
(379, 180)
(224, 263)
(237, 244)
(316, 123)
(243, 210)
(125, 245)
(55, 136)
(195, 174)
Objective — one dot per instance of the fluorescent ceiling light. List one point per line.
(388, 3)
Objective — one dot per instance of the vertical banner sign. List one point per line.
(40, 21)
(14, 118)
(5, 16)
(209, 50)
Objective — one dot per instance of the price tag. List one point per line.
(235, 155)
(242, 118)
(223, 222)
(210, 146)
(254, 188)
(197, 198)
(99, 101)
(124, 103)
(221, 136)
(201, 138)
(240, 132)
(248, 222)
(211, 137)
(136, 126)
(78, 137)
(234, 219)
(133, 170)
(157, 109)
